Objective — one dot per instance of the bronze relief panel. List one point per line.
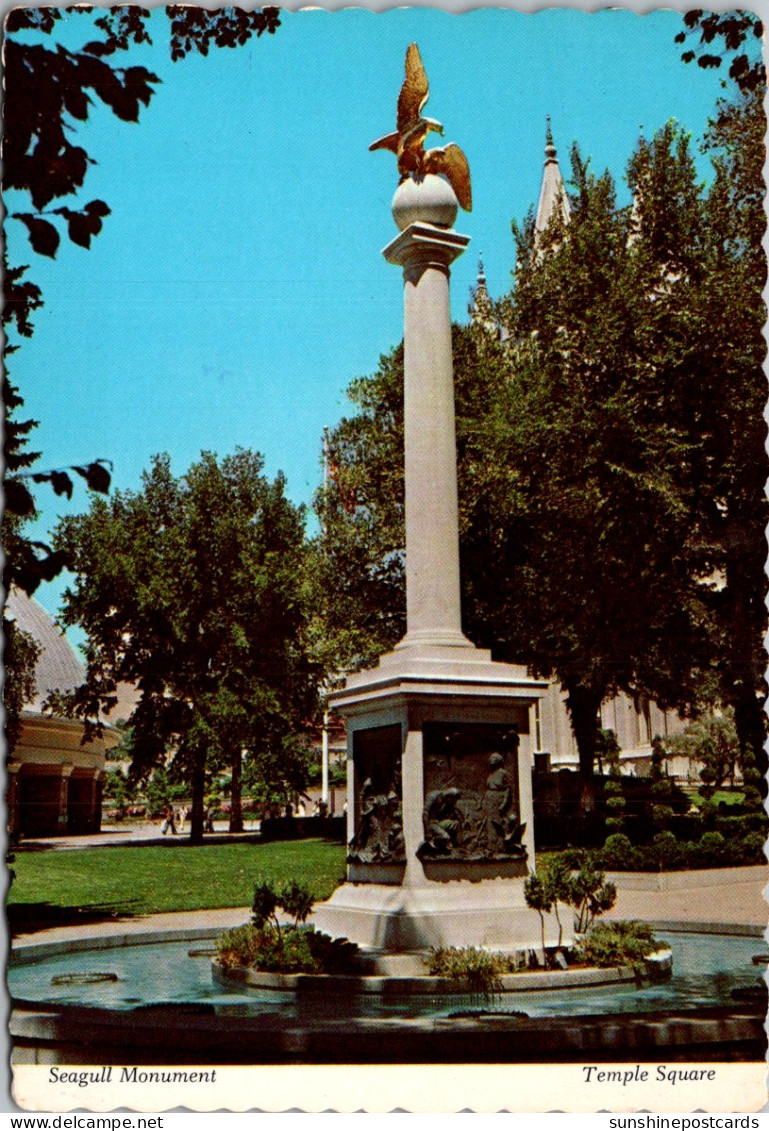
(471, 810)
(377, 797)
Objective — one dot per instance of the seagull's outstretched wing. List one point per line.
(414, 92)
(390, 141)
(451, 161)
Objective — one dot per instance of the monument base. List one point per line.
(490, 914)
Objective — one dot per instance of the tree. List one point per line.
(741, 33)
(48, 91)
(190, 590)
(601, 476)
(593, 481)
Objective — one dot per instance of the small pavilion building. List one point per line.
(54, 779)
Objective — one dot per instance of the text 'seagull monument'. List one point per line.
(439, 736)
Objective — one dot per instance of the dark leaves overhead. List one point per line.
(196, 29)
(42, 235)
(46, 89)
(735, 33)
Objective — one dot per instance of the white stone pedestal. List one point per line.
(430, 902)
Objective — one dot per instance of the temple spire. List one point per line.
(552, 197)
(481, 307)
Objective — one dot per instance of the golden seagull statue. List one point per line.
(412, 129)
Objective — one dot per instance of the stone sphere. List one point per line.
(430, 200)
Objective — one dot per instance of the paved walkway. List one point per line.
(138, 832)
(699, 898)
(723, 896)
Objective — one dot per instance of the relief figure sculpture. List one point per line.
(501, 830)
(379, 828)
(471, 797)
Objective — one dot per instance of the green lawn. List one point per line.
(729, 797)
(78, 885)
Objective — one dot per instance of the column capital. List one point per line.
(424, 245)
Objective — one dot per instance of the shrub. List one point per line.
(751, 848)
(617, 944)
(590, 896)
(293, 950)
(479, 971)
(619, 853)
(712, 848)
(667, 850)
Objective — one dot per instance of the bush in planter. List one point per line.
(266, 944)
(295, 950)
(539, 898)
(615, 805)
(479, 971)
(238, 947)
(287, 952)
(617, 944)
(268, 899)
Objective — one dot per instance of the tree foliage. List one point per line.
(50, 91)
(190, 591)
(712, 740)
(713, 35)
(359, 560)
(610, 450)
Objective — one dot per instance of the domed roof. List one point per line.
(57, 667)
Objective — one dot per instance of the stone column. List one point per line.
(62, 820)
(425, 210)
(12, 797)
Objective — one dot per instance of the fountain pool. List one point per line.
(707, 969)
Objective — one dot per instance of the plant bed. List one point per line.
(656, 967)
(273, 952)
(299, 959)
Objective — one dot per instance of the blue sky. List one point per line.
(238, 287)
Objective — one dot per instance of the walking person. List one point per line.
(169, 822)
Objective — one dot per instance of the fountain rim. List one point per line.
(27, 953)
